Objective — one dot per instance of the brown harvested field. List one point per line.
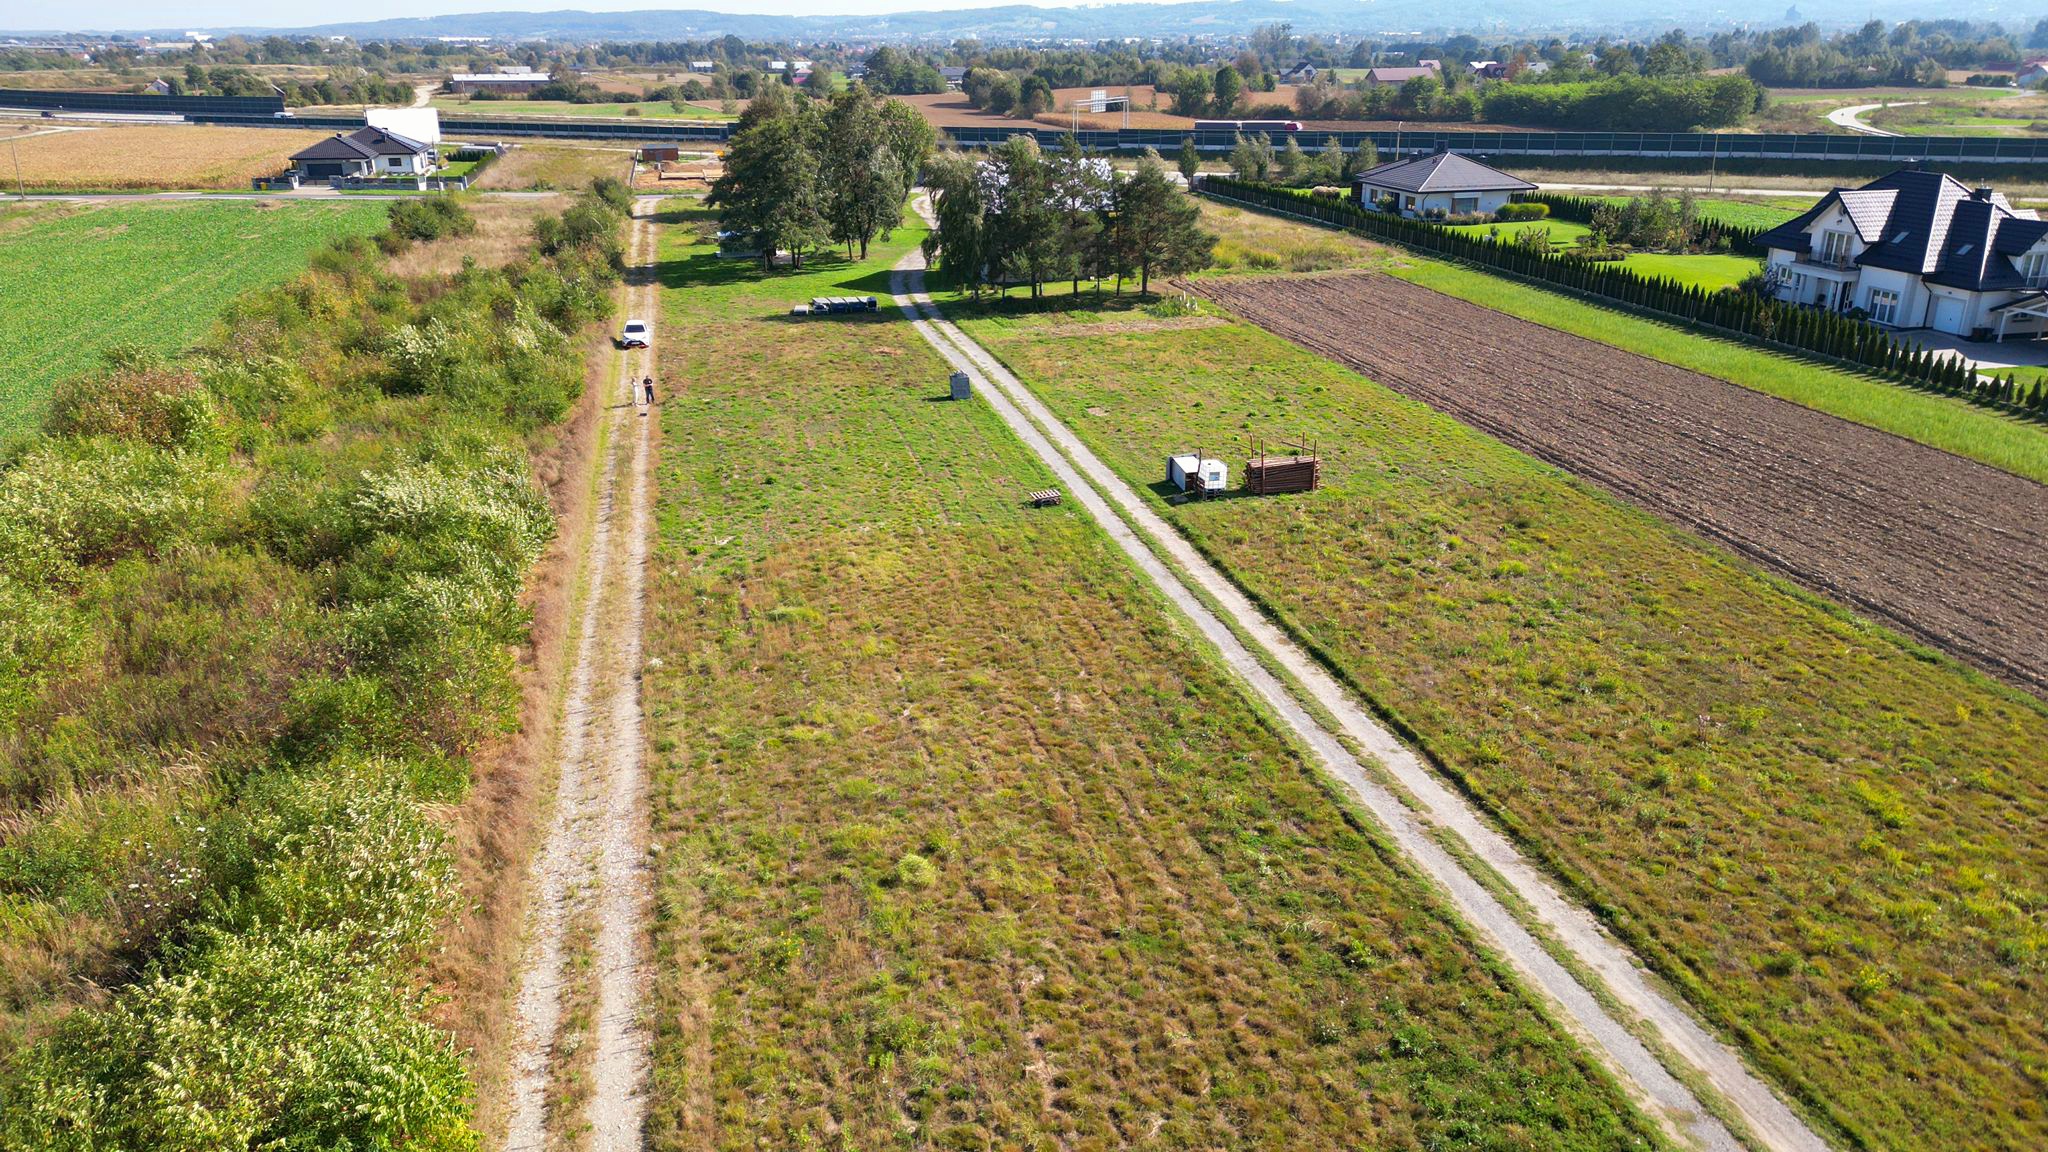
(550, 166)
(1950, 550)
(146, 157)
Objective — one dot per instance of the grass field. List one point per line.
(548, 166)
(75, 282)
(648, 109)
(145, 157)
(1816, 831)
(962, 845)
(2017, 446)
(1708, 270)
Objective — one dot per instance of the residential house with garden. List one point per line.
(1916, 249)
(1443, 184)
(365, 152)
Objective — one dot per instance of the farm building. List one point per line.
(1917, 250)
(953, 77)
(364, 152)
(1395, 77)
(1444, 182)
(1302, 72)
(511, 80)
(2031, 74)
(659, 153)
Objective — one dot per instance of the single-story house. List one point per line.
(1486, 69)
(953, 76)
(2031, 74)
(364, 152)
(1442, 182)
(520, 81)
(1917, 249)
(1395, 77)
(158, 87)
(1303, 72)
(703, 66)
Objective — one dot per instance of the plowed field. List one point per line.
(1949, 550)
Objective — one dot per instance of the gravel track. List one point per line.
(1949, 550)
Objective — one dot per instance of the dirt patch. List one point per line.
(1137, 324)
(1952, 551)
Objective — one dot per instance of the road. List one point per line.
(1437, 810)
(1852, 116)
(592, 892)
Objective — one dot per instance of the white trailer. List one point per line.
(1197, 475)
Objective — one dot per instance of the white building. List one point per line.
(1917, 250)
(1443, 182)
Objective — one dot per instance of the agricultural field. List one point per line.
(146, 157)
(1819, 833)
(962, 844)
(555, 166)
(75, 281)
(1905, 532)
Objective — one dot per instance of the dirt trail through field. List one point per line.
(1436, 809)
(1947, 549)
(594, 863)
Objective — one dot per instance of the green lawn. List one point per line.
(514, 109)
(963, 844)
(77, 281)
(1822, 835)
(2018, 446)
(1706, 271)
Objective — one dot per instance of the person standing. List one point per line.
(647, 386)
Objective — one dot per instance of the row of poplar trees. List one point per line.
(802, 173)
(1020, 216)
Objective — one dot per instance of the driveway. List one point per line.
(1990, 356)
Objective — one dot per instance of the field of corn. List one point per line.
(77, 281)
(962, 843)
(1820, 833)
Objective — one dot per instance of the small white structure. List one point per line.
(420, 124)
(1099, 100)
(1197, 475)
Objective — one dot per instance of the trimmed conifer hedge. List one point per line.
(1579, 210)
(1820, 335)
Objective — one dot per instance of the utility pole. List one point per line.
(14, 146)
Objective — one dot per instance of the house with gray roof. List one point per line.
(1443, 183)
(364, 152)
(1917, 249)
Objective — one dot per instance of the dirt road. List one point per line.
(592, 872)
(1852, 117)
(1436, 809)
(1946, 549)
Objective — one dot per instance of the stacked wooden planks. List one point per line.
(1272, 475)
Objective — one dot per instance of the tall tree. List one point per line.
(860, 180)
(1228, 86)
(1026, 226)
(1190, 159)
(910, 136)
(961, 239)
(1156, 225)
(1080, 186)
(769, 190)
(1252, 159)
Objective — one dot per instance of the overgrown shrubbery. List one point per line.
(256, 604)
(426, 218)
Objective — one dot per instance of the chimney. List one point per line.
(1983, 193)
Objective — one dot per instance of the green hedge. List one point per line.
(1706, 231)
(1821, 335)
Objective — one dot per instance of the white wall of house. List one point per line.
(407, 165)
(1455, 204)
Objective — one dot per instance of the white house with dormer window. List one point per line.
(1917, 250)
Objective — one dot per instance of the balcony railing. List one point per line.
(1841, 262)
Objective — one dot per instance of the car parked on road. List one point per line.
(634, 335)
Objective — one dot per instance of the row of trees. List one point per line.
(803, 173)
(1256, 160)
(1022, 216)
(1828, 335)
(1657, 221)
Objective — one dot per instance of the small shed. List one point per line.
(962, 387)
(660, 153)
(1299, 470)
(1197, 475)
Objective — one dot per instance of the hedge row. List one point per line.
(1822, 335)
(1579, 210)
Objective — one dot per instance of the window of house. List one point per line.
(1834, 247)
(2034, 266)
(1464, 205)
(1884, 306)
(1408, 202)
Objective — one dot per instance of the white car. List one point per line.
(634, 335)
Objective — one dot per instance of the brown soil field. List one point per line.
(146, 157)
(1952, 551)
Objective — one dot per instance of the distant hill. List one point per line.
(1108, 21)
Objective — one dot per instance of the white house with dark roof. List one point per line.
(1917, 250)
(364, 152)
(1442, 183)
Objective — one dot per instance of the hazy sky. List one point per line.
(103, 14)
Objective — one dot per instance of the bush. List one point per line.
(1522, 210)
(426, 218)
(155, 405)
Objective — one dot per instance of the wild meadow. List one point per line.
(963, 844)
(258, 604)
(1822, 835)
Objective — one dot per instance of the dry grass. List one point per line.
(1826, 837)
(1261, 242)
(504, 233)
(148, 157)
(552, 166)
(962, 843)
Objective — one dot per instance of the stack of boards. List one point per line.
(1273, 475)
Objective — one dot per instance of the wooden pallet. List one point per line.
(1043, 498)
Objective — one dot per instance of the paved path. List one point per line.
(1852, 116)
(1437, 809)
